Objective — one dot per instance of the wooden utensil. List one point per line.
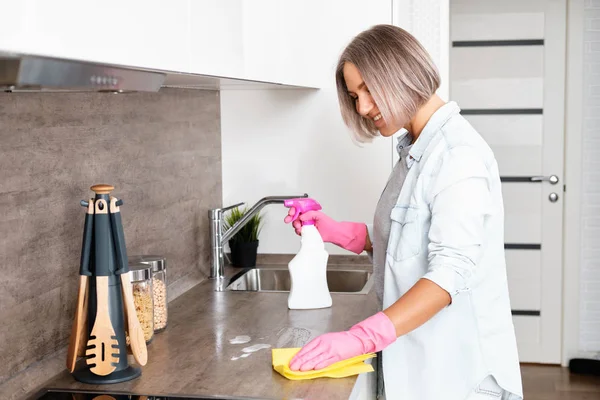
(83, 332)
(103, 348)
(79, 330)
(136, 334)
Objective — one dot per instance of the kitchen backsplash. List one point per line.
(161, 151)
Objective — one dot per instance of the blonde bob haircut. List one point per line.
(398, 71)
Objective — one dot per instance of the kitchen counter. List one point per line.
(194, 355)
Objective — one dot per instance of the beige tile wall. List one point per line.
(161, 151)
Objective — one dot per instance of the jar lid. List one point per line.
(140, 272)
(157, 263)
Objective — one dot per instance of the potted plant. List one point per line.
(244, 244)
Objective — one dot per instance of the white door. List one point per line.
(507, 71)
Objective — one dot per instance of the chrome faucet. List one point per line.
(218, 237)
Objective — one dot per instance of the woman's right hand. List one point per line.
(351, 236)
(316, 216)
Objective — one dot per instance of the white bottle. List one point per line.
(308, 272)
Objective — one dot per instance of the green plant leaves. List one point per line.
(250, 231)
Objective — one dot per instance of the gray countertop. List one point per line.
(194, 355)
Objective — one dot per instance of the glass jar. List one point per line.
(158, 265)
(141, 281)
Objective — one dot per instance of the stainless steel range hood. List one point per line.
(34, 73)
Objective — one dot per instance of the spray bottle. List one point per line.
(308, 269)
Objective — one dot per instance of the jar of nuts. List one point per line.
(141, 281)
(158, 265)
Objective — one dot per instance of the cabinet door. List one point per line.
(263, 40)
(259, 40)
(303, 28)
(149, 34)
(280, 41)
(217, 38)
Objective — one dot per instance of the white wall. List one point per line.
(429, 22)
(289, 142)
(589, 332)
(573, 180)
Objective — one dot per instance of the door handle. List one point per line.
(553, 179)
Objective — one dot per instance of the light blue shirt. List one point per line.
(448, 227)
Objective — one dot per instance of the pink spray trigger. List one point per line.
(303, 205)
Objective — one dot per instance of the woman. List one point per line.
(437, 242)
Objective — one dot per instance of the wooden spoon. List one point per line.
(103, 347)
(79, 329)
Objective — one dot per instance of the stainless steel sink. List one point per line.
(278, 280)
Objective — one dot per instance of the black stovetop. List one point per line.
(56, 394)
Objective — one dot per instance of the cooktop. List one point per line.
(56, 394)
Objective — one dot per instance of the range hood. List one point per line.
(34, 73)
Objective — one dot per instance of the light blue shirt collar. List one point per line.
(437, 120)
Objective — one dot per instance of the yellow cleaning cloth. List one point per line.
(341, 369)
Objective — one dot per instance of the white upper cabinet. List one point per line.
(149, 34)
(260, 40)
(217, 38)
(303, 33)
(263, 40)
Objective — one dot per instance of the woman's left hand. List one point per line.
(369, 336)
(325, 350)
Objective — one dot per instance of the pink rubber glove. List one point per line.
(348, 235)
(369, 336)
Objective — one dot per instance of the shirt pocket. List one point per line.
(405, 236)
